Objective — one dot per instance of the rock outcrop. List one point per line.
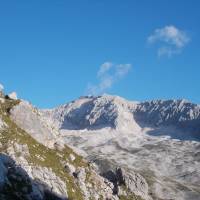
(13, 95)
(28, 118)
(128, 183)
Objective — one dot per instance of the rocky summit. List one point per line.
(100, 148)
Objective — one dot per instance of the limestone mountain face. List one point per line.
(93, 113)
(180, 114)
(118, 113)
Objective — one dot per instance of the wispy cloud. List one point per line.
(1, 87)
(104, 68)
(171, 40)
(122, 70)
(108, 74)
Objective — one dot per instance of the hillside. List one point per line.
(34, 164)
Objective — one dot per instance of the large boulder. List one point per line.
(133, 181)
(13, 95)
(128, 183)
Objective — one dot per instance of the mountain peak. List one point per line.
(108, 111)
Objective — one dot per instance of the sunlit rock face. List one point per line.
(93, 113)
(13, 95)
(28, 118)
(117, 113)
(180, 114)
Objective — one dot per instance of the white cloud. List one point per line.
(107, 77)
(122, 69)
(167, 51)
(171, 40)
(104, 68)
(1, 88)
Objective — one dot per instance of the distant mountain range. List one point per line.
(117, 113)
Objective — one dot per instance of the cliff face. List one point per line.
(180, 114)
(95, 113)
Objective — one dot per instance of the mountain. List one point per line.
(36, 165)
(158, 139)
(100, 147)
(117, 113)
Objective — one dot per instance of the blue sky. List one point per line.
(53, 51)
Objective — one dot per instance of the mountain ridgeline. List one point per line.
(115, 112)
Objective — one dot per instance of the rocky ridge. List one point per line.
(94, 113)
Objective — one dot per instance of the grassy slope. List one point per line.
(39, 154)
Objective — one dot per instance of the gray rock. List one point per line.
(13, 95)
(19, 153)
(69, 168)
(72, 157)
(134, 182)
(28, 118)
(81, 174)
(2, 124)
